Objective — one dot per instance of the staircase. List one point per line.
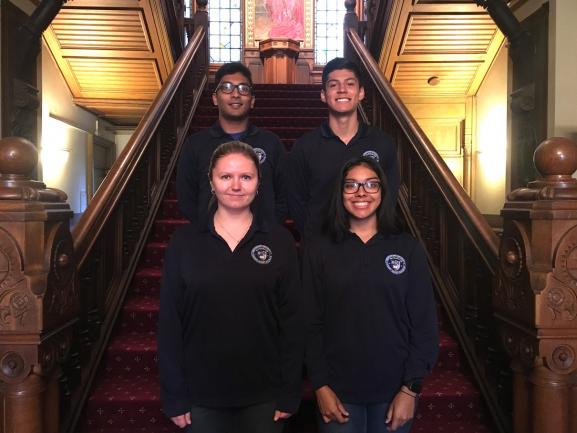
(125, 395)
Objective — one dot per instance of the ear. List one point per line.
(214, 100)
(323, 96)
(252, 99)
(361, 93)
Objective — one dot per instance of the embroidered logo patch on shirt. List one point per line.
(372, 154)
(261, 154)
(396, 264)
(261, 254)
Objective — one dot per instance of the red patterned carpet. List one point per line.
(125, 396)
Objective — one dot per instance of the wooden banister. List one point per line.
(462, 249)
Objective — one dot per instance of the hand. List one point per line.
(330, 406)
(401, 409)
(280, 415)
(181, 420)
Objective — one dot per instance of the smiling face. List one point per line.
(362, 205)
(234, 180)
(342, 92)
(233, 106)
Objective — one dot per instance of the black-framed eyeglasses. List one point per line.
(370, 186)
(227, 87)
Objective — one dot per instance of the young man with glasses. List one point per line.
(317, 157)
(234, 97)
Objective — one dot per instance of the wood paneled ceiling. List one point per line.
(113, 54)
(452, 40)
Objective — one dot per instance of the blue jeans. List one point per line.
(362, 419)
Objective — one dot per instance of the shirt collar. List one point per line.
(258, 224)
(217, 132)
(327, 132)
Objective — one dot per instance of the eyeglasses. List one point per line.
(370, 186)
(226, 87)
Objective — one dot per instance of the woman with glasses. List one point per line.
(373, 336)
(231, 332)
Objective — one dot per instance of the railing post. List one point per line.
(535, 299)
(38, 298)
(351, 21)
(201, 20)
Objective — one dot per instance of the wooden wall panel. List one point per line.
(114, 55)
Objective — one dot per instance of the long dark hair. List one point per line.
(229, 148)
(337, 224)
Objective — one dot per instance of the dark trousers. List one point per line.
(250, 419)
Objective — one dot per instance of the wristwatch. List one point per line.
(414, 385)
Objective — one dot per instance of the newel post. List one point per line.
(536, 296)
(351, 21)
(201, 20)
(38, 298)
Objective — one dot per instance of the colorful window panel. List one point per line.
(225, 30)
(329, 17)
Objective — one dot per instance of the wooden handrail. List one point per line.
(455, 195)
(100, 208)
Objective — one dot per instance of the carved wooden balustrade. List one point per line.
(536, 297)
(39, 300)
(462, 248)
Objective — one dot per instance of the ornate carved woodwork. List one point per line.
(39, 301)
(536, 298)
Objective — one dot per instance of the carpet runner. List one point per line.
(125, 394)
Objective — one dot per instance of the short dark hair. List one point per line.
(229, 148)
(337, 224)
(340, 63)
(232, 68)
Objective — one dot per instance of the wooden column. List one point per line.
(351, 21)
(38, 299)
(535, 298)
(279, 56)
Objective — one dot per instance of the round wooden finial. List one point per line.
(556, 158)
(18, 157)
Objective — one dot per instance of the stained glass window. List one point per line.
(225, 38)
(329, 17)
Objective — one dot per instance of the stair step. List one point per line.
(153, 255)
(140, 314)
(132, 353)
(449, 396)
(169, 209)
(428, 426)
(126, 400)
(147, 282)
(164, 228)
